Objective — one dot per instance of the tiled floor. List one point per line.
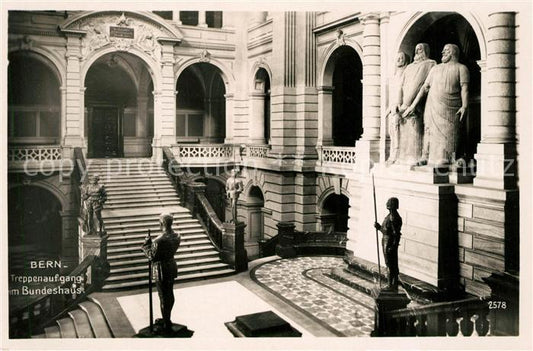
(304, 283)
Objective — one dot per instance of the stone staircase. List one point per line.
(138, 190)
(98, 317)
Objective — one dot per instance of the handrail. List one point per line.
(213, 224)
(440, 319)
(83, 280)
(79, 177)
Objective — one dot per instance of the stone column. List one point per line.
(74, 106)
(368, 146)
(142, 116)
(63, 90)
(176, 17)
(325, 100)
(229, 118)
(165, 103)
(201, 19)
(496, 153)
(385, 60)
(257, 125)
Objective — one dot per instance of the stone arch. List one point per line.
(327, 192)
(48, 58)
(225, 72)
(328, 66)
(253, 71)
(54, 190)
(333, 210)
(152, 66)
(474, 21)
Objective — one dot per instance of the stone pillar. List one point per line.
(496, 153)
(63, 90)
(387, 301)
(176, 17)
(385, 60)
(165, 103)
(285, 247)
(142, 116)
(233, 251)
(368, 146)
(229, 118)
(201, 19)
(257, 125)
(325, 100)
(74, 106)
(504, 312)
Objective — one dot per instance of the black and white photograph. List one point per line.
(256, 175)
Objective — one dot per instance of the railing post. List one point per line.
(233, 251)
(285, 247)
(387, 301)
(504, 299)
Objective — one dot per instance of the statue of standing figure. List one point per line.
(393, 112)
(93, 197)
(413, 78)
(447, 100)
(234, 188)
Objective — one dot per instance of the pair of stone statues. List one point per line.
(427, 132)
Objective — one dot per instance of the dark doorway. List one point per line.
(105, 132)
(335, 213)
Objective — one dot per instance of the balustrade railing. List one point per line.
(256, 151)
(83, 280)
(440, 319)
(336, 154)
(36, 153)
(205, 153)
(211, 221)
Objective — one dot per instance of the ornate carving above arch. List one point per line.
(122, 30)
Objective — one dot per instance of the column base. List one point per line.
(496, 166)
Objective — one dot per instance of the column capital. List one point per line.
(384, 17)
(482, 64)
(370, 18)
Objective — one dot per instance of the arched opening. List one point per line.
(34, 227)
(347, 103)
(260, 129)
(201, 105)
(34, 101)
(216, 195)
(334, 216)
(255, 204)
(117, 101)
(440, 28)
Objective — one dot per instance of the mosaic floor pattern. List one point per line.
(304, 283)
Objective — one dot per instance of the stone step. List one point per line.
(181, 257)
(96, 319)
(136, 180)
(144, 204)
(81, 323)
(153, 228)
(140, 195)
(142, 200)
(139, 189)
(138, 242)
(185, 245)
(142, 273)
(66, 328)
(155, 221)
(140, 217)
(181, 250)
(183, 266)
(118, 322)
(182, 278)
(52, 332)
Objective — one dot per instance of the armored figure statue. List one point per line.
(391, 229)
(93, 197)
(411, 127)
(447, 100)
(234, 188)
(393, 112)
(161, 253)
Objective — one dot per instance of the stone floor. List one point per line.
(304, 283)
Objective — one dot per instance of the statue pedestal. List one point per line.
(428, 206)
(158, 331)
(233, 251)
(95, 245)
(386, 301)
